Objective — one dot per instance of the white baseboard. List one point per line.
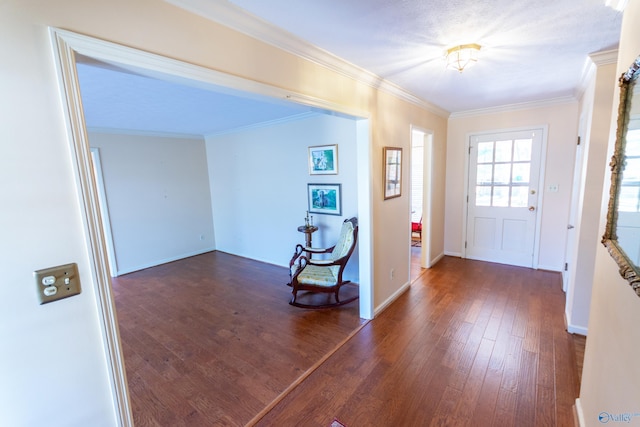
(574, 329)
(549, 268)
(435, 260)
(456, 254)
(579, 413)
(162, 261)
(391, 299)
(580, 330)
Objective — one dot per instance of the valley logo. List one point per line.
(624, 417)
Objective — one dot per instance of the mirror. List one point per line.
(622, 232)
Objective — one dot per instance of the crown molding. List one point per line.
(515, 107)
(229, 15)
(604, 57)
(595, 60)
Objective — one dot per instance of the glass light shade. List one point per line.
(463, 56)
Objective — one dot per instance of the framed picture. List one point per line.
(392, 172)
(324, 199)
(323, 160)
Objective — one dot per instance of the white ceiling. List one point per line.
(121, 99)
(532, 51)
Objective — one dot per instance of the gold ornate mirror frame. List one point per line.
(628, 269)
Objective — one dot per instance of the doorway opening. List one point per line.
(421, 181)
(68, 47)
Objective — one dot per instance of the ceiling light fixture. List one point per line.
(618, 5)
(463, 56)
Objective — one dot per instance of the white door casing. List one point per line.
(422, 160)
(503, 196)
(66, 47)
(104, 211)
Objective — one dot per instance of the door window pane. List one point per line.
(485, 152)
(521, 173)
(501, 196)
(483, 196)
(522, 150)
(483, 175)
(503, 151)
(502, 174)
(519, 197)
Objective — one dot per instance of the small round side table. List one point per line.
(308, 230)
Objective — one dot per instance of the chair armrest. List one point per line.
(303, 260)
(318, 250)
(328, 262)
(321, 262)
(296, 254)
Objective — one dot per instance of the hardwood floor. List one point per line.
(211, 340)
(416, 269)
(579, 343)
(470, 344)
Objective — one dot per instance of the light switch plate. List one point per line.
(57, 282)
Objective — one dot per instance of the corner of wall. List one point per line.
(578, 414)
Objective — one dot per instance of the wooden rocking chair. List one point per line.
(323, 275)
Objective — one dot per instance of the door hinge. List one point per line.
(566, 266)
(465, 245)
(467, 199)
(469, 149)
(578, 140)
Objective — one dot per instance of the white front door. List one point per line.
(502, 204)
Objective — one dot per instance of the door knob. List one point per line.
(532, 208)
(569, 227)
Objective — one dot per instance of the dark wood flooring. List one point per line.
(416, 269)
(579, 343)
(470, 344)
(211, 340)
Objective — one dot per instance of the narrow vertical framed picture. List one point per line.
(323, 160)
(325, 199)
(392, 172)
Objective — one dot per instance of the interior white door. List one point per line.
(572, 236)
(502, 203)
(570, 252)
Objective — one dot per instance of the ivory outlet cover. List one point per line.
(59, 282)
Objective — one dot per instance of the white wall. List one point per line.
(158, 196)
(57, 349)
(53, 370)
(611, 373)
(259, 183)
(561, 120)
